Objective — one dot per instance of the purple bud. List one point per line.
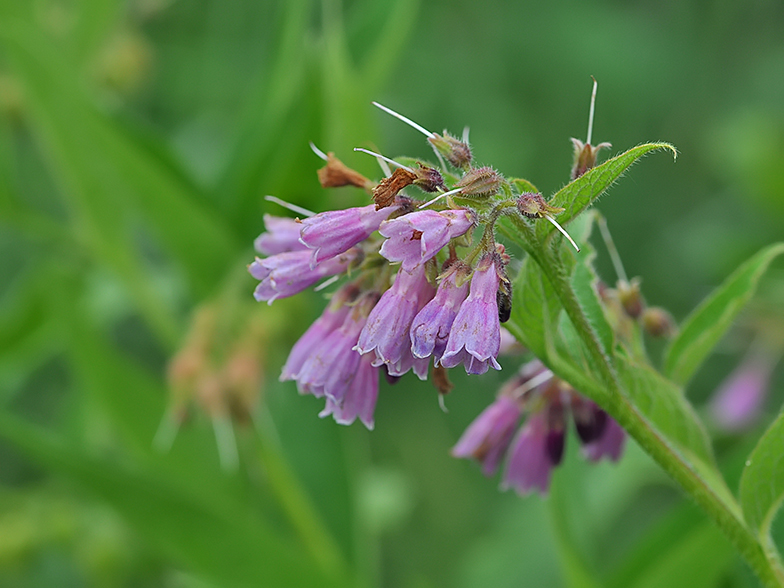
(289, 273)
(529, 464)
(417, 237)
(475, 337)
(281, 235)
(430, 328)
(737, 403)
(487, 438)
(333, 232)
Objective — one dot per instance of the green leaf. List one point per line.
(711, 319)
(762, 482)
(582, 192)
(228, 550)
(663, 404)
(523, 186)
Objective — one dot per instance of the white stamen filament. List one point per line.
(560, 228)
(318, 151)
(379, 156)
(289, 206)
(537, 380)
(442, 403)
(590, 111)
(326, 283)
(408, 121)
(439, 197)
(465, 135)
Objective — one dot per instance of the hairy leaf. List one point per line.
(534, 309)
(711, 319)
(762, 482)
(582, 192)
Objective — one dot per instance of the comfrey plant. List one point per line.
(422, 280)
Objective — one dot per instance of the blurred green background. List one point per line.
(137, 141)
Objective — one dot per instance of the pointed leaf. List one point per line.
(582, 192)
(534, 309)
(762, 482)
(711, 319)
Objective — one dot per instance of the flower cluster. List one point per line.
(539, 444)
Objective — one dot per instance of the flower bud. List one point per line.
(336, 174)
(429, 179)
(585, 156)
(532, 205)
(631, 298)
(480, 182)
(658, 322)
(457, 152)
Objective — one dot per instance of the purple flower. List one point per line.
(418, 236)
(360, 398)
(281, 235)
(387, 328)
(332, 318)
(332, 364)
(609, 445)
(475, 338)
(289, 273)
(430, 328)
(333, 232)
(487, 438)
(530, 464)
(738, 402)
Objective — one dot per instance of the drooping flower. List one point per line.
(431, 326)
(281, 235)
(609, 444)
(417, 237)
(487, 438)
(332, 365)
(530, 463)
(359, 399)
(333, 232)
(475, 337)
(332, 318)
(387, 330)
(290, 273)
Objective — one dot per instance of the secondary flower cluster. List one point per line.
(539, 444)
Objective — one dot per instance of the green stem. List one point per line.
(609, 394)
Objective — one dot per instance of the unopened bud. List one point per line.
(532, 205)
(336, 174)
(429, 179)
(658, 322)
(630, 297)
(480, 182)
(585, 156)
(457, 152)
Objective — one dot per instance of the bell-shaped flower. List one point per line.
(738, 402)
(333, 232)
(290, 273)
(431, 326)
(530, 464)
(609, 444)
(387, 329)
(487, 437)
(475, 337)
(359, 399)
(418, 236)
(281, 235)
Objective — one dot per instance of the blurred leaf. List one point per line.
(390, 40)
(684, 550)
(710, 320)
(584, 283)
(95, 21)
(582, 192)
(238, 551)
(762, 482)
(107, 176)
